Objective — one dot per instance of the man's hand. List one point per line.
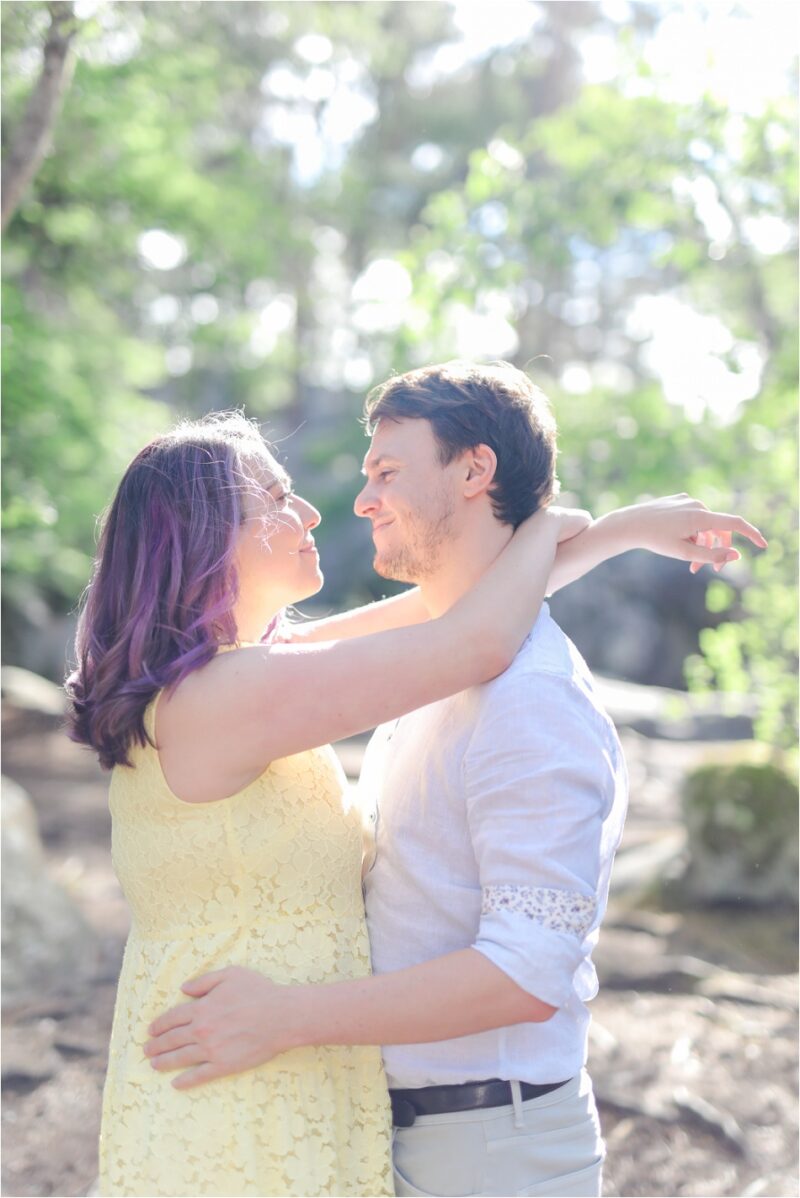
(238, 1019)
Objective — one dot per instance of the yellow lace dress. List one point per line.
(269, 878)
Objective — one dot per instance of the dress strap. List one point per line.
(150, 716)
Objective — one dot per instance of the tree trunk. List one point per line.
(30, 144)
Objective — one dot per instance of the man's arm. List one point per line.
(535, 810)
(241, 1019)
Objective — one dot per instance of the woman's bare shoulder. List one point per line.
(197, 722)
(231, 680)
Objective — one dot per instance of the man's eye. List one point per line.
(384, 474)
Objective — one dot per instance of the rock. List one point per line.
(710, 1118)
(742, 827)
(32, 705)
(603, 1041)
(660, 924)
(29, 692)
(771, 991)
(29, 1057)
(658, 711)
(638, 616)
(47, 944)
(37, 638)
(640, 869)
(668, 975)
(774, 1183)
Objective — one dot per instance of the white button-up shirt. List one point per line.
(497, 815)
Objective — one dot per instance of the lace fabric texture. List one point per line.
(269, 878)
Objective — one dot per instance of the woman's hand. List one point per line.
(675, 526)
(682, 527)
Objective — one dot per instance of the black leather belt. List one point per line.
(471, 1096)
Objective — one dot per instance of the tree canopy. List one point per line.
(273, 205)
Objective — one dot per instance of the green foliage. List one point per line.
(599, 181)
(736, 806)
(544, 207)
(742, 823)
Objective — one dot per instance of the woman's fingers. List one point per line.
(701, 555)
(715, 531)
(703, 539)
(724, 540)
(723, 522)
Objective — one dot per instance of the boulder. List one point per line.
(742, 827)
(637, 617)
(30, 704)
(668, 714)
(30, 692)
(47, 945)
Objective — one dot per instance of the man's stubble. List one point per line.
(421, 553)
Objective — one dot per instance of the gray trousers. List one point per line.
(549, 1146)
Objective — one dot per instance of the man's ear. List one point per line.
(480, 467)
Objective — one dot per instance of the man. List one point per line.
(497, 813)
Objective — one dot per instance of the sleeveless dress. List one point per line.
(269, 878)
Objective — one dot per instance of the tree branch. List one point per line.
(31, 142)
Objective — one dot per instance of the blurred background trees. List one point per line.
(273, 205)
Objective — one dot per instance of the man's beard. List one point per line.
(420, 555)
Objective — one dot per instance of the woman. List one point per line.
(242, 849)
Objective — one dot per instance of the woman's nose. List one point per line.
(308, 513)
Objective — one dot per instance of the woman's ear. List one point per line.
(480, 468)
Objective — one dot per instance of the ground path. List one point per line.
(693, 1047)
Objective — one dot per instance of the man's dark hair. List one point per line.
(469, 404)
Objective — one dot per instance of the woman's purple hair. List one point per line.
(160, 602)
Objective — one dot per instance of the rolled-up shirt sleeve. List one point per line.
(540, 784)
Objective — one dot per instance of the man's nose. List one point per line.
(365, 501)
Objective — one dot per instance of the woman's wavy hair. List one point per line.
(160, 602)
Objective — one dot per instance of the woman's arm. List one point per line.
(663, 526)
(675, 526)
(400, 611)
(251, 706)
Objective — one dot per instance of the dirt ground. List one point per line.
(694, 1034)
